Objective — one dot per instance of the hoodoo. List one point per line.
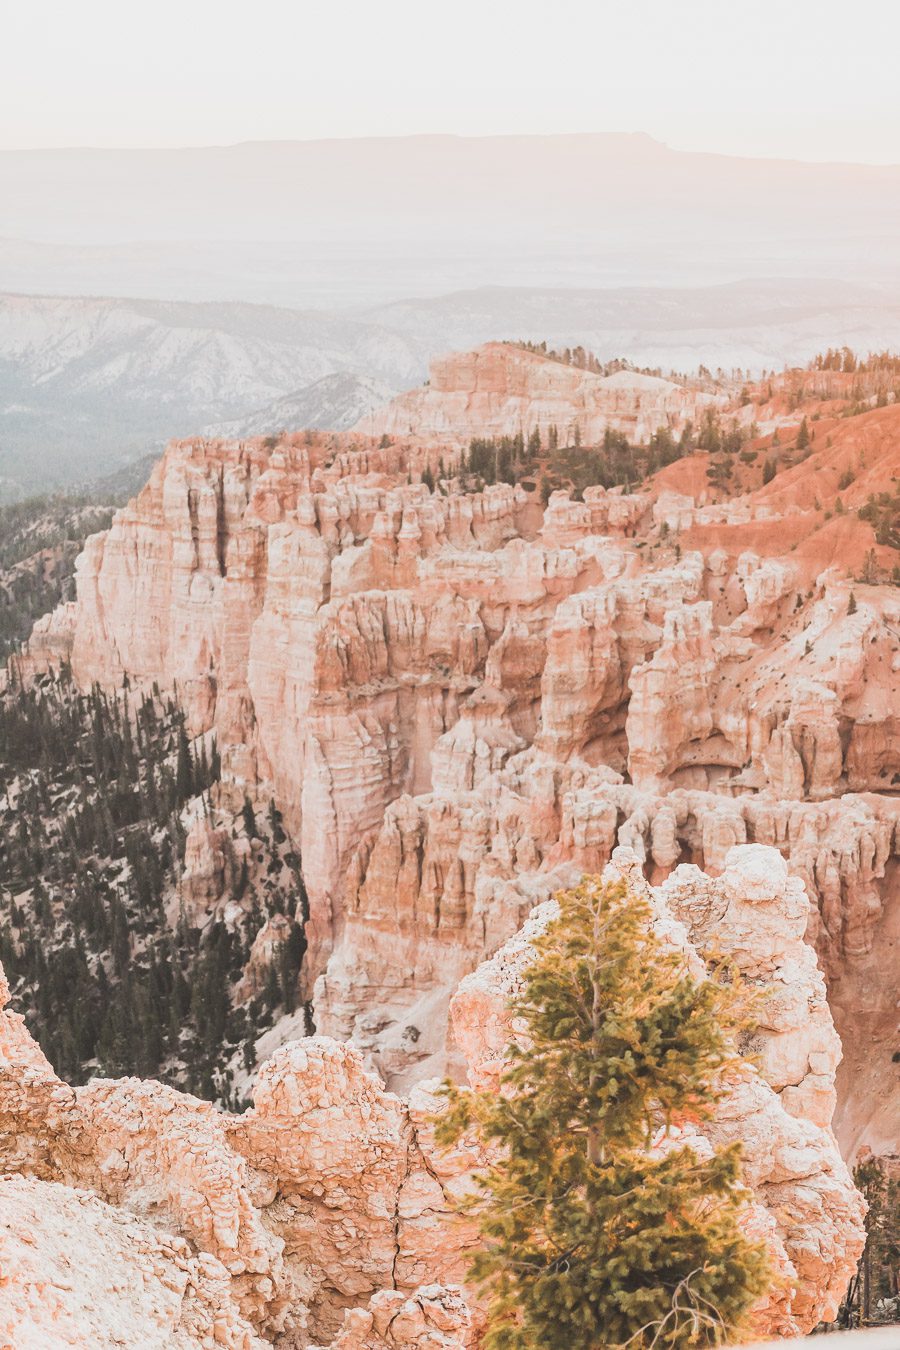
(529, 622)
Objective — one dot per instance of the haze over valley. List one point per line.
(158, 293)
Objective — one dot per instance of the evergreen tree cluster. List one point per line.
(92, 786)
(560, 460)
(844, 359)
(841, 358)
(882, 511)
(500, 460)
(579, 357)
(876, 379)
(873, 1298)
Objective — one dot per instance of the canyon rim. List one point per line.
(452, 698)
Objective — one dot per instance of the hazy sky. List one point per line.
(814, 79)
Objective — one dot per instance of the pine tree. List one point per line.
(803, 436)
(184, 774)
(876, 1280)
(590, 1237)
(870, 568)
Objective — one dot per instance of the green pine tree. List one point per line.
(184, 771)
(873, 1288)
(803, 436)
(589, 1238)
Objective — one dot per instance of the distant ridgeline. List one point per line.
(98, 950)
(582, 358)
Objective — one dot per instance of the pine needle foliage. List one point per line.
(594, 1235)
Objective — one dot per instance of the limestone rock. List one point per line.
(207, 870)
(460, 703)
(331, 1189)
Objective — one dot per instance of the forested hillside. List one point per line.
(96, 794)
(40, 538)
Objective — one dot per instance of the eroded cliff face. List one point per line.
(451, 694)
(500, 389)
(461, 701)
(323, 1215)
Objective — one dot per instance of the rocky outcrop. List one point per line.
(208, 869)
(251, 1227)
(501, 389)
(432, 1318)
(79, 1272)
(695, 743)
(756, 914)
(324, 1212)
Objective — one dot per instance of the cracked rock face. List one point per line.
(79, 1272)
(256, 1229)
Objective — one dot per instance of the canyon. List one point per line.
(462, 697)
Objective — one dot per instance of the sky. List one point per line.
(810, 79)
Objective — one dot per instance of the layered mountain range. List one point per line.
(146, 294)
(462, 695)
(282, 221)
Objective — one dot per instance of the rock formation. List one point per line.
(462, 700)
(501, 389)
(323, 1214)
